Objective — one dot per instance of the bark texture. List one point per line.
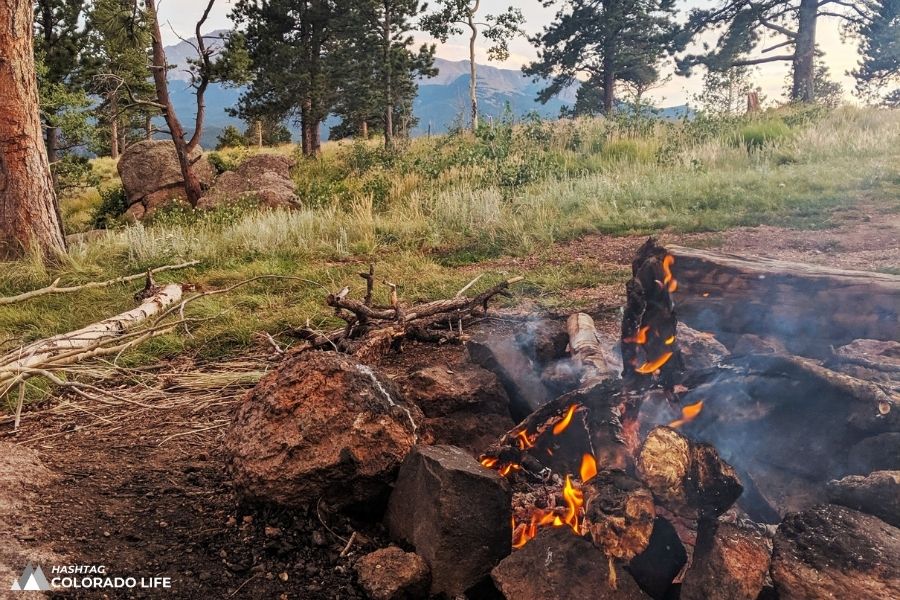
(28, 217)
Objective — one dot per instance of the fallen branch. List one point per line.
(55, 288)
(370, 330)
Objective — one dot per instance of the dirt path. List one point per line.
(119, 490)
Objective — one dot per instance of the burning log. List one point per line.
(730, 563)
(649, 339)
(809, 308)
(686, 477)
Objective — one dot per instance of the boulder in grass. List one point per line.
(263, 178)
(455, 513)
(149, 170)
(321, 426)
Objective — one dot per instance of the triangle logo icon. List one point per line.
(32, 579)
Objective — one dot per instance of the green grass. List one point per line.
(430, 211)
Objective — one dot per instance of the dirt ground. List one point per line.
(144, 492)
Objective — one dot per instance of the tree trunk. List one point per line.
(259, 135)
(159, 68)
(805, 53)
(148, 128)
(28, 215)
(388, 90)
(114, 127)
(472, 74)
(364, 130)
(609, 85)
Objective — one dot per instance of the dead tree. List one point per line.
(29, 213)
(183, 147)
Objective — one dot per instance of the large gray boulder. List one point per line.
(151, 175)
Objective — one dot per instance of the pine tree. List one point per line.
(453, 17)
(29, 216)
(119, 42)
(290, 45)
(609, 41)
(878, 75)
(744, 27)
(378, 80)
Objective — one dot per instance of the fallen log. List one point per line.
(809, 308)
(15, 366)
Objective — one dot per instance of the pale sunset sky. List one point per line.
(840, 56)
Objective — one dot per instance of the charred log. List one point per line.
(809, 308)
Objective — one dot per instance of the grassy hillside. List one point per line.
(427, 212)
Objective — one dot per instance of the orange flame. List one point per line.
(525, 441)
(574, 499)
(488, 462)
(640, 337)
(561, 426)
(508, 469)
(668, 279)
(588, 467)
(652, 366)
(688, 414)
(669, 340)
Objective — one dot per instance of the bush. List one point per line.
(230, 138)
(221, 163)
(759, 134)
(113, 204)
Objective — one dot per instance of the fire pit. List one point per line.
(669, 462)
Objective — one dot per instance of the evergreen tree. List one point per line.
(452, 16)
(725, 92)
(59, 39)
(378, 71)
(878, 74)
(290, 45)
(119, 42)
(743, 28)
(609, 41)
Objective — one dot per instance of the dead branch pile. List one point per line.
(372, 330)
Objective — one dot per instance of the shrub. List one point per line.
(113, 204)
(759, 134)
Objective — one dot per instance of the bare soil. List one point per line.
(116, 489)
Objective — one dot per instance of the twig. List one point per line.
(192, 432)
(19, 406)
(346, 549)
(251, 578)
(468, 285)
(54, 289)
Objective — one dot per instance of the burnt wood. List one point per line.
(809, 308)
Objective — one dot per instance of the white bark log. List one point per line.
(17, 364)
(585, 348)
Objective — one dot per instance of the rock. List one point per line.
(655, 568)
(504, 357)
(750, 343)
(455, 513)
(152, 165)
(165, 197)
(544, 340)
(830, 552)
(464, 406)
(699, 350)
(558, 565)
(321, 426)
(265, 178)
(136, 211)
(392, 574)
(877, 453)
(730, 563)
(877, 494)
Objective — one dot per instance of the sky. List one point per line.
(181, 16)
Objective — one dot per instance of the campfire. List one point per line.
(657, 462)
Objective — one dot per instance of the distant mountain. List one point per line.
(443, 101)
